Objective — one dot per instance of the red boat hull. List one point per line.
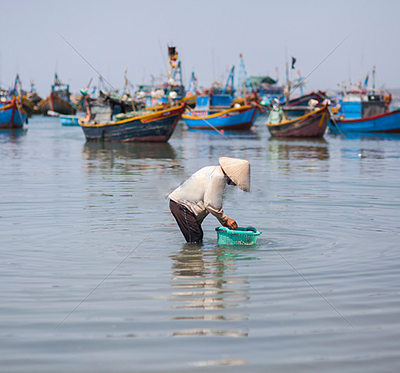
(310, 125)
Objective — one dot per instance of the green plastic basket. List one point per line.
(240, 236)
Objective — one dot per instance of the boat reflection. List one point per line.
(289, 149)
(129, 157)
(13, 135)
(207, 293)
(100, 150)
(367, 136)
(360, 153)
(201, 135)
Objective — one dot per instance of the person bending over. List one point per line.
(202, 194)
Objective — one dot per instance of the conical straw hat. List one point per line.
(238, 170)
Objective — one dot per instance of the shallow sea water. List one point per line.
(96, 277)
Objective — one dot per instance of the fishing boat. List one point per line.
(70, 120)
(268, 89)
(312, 122)
(59, 100)
(171, 92)
(365, 110)
(303, 100)
(137, 126)
(12, 116)
(34, 98)
(216, 110)
(12, 113)
(229, 118)
(386, 123)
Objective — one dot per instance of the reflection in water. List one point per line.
(117, 180)
(206, 363)
(367, 136)
(288, 149)
(206, 287)
(368, 161)
(205, 144)
(354, 153)
(212, 134)
(129, 156)
(99, 150)
(12, 135)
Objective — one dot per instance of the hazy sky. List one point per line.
(209, 36)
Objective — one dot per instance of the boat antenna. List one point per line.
(101, 76)
(298, 85)
(163, 57)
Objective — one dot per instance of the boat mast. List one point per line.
(287, 90)
(243, 80)
(230, 79)
(373, 78)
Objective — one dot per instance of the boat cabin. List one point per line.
(211, 104)
(362, 104)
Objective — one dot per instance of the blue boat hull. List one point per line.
(11, 117)
(70, 120)
(387, 122)
(227, 120)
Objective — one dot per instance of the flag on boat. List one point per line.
(172, 56)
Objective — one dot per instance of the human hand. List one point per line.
(230, 223)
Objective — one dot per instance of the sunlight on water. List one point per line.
(96, 276)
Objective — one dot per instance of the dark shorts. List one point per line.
(187, 222)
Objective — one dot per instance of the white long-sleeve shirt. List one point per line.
(202, 193)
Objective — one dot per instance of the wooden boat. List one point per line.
(363, 110)
(59, 100)
(33, 97)
(304, 100)
(312, 123)
(236, 118)
(170, 93)
(12, 116)
(268, 89)
(70, 120)
(216, 110)
(137, 127)
(387, 123)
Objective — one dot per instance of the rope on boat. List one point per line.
(335, 123)
(220, 132)
(19, 112)
(101, 76)
(303, 80)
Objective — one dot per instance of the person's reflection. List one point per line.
(207, 293)
(295, 149)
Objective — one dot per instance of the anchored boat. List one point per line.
(311, 123)
(12, 116)
(217, 110)
(365, 110)
(136, 126)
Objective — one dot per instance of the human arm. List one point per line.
(230, 223)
